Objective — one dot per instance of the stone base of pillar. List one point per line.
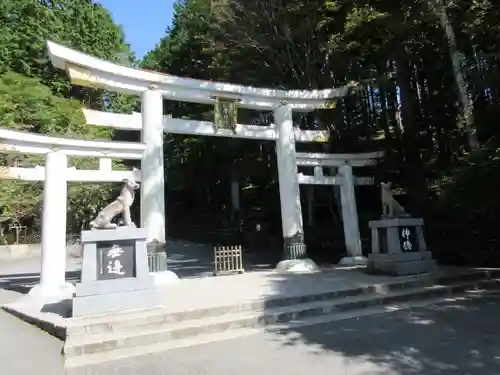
(161, 275)
(295, 258)
(52, 293)
(297, 266)
(294, 248)
(163, 278)
(156, 247)
(354, 261)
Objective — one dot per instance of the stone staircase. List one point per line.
(102, 338)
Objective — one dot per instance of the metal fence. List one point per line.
(30, 238)
(21, 236)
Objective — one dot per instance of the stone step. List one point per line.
(157, 349)
(143, 318)
(79, 349)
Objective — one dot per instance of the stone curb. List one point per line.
(51, 328)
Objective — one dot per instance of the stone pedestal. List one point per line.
(295, 258)
(399, 248)
(297, 266)
(157, 259)
(115, 272)
(354, 261)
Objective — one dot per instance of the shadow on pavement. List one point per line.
(186, 259)
(23, 282)
(454, 337)
(189, 259)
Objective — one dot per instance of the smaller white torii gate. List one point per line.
(56, 175)
(345, 178)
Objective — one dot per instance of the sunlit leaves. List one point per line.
(36, 97)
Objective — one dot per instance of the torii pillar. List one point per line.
(294, 250)
(152, 168)
(53, 285)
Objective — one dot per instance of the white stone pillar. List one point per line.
(350, 217)
(153, 176)
(291, 211)
(55, 192)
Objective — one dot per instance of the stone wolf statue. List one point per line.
(120, 206)
(390, 206)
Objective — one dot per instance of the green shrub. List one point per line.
(464, 227)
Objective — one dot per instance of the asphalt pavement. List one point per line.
(450, 338)
(25, 349)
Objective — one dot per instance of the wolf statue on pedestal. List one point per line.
(390, 207)
(120, 206)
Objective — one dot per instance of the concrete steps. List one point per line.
(109, 337)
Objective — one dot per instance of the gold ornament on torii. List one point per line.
(225, 114)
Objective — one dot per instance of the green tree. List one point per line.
(194, 47)
(38, 98)
(189, 50)
(428, 83)
(27, 105)
(26, 25)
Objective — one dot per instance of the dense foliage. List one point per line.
(36, 97)
(429, 97)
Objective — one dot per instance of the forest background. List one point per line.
(429, 98)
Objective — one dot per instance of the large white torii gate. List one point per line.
(342, 162)
(154, 87)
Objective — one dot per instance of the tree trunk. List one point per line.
(456, 57)
(384, 116)
(392, 105)
(235, 193)
(414, 174)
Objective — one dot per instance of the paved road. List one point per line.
(24, 349)
(446, 339)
